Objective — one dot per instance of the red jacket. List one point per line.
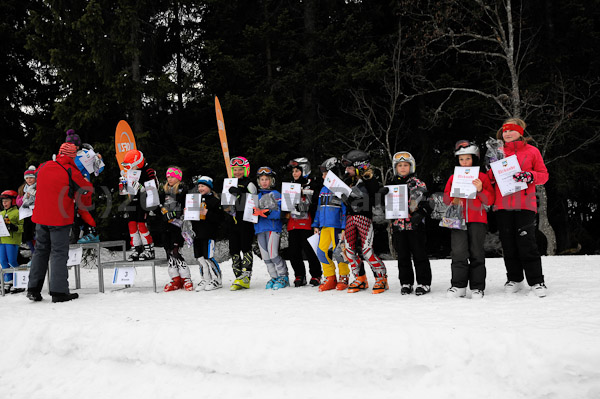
(53, 207)
(473, 210)
(530, 160)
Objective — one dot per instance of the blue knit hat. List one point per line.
(207, 181)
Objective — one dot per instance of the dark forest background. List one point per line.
(311, 78)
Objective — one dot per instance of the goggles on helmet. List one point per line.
(265, 171)
(403, 157)
(462, 144)
(237, 162)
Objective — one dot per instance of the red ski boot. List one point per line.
(175, 284)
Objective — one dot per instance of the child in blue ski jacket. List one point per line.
(268, 228)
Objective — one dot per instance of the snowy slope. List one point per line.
(299, 343)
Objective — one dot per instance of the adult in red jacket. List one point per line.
(468, 255)
(516, 212)
(54, 214)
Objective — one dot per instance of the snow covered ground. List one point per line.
(299, 343)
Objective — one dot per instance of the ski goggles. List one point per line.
(238, 161)
(403, 157)
(295, 164)
(265, 171)
(462, 144)
(347, 163)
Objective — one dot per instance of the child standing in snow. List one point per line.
(137, 214)
(329, 223)
(468, 256)
(268, 228)
(241, 233)
(26, 199)
(205, 232)
(516, 213)
(409, 234)
(85, 210)
(9, 246)
(173, 200)
(299, 226)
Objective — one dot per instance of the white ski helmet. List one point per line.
(404, 156)
(302, 164)
(466, 147)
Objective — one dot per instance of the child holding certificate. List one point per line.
(468, 256)
(240, 232)
(9, 245)
(299, 226)
(516, 212)
(173, 200)
(329, 223)
(410, 237)
(268, 228)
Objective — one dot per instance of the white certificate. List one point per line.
(314, 242)
(87, 160)
(75, 256)
(192, 206)
(396, 202)
(503, 170)
(336, 185)
(291, 194)
(132, 177)
(462, 183)
(151, 194)
(251, 203)
(226, 197)
(3, 229)
(25, 213)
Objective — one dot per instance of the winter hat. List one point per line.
(68, 149)
(30, 172)
(207, 181)
(175, 171)
(72, 137)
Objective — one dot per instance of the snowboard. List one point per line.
(222, 134)
(124, 141)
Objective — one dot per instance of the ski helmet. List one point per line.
(357, 158)
(9, 194)
(302, 164)
(404, 156)
(331, 164)
(266, 171)
(466, 147)
(133, 158)
(242, 163)
(207, 181)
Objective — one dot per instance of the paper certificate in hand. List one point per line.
(133, 176)
(396, 202)
(504, 169)
(462, 183)
(152, 199)
(192, 207)
(291, 194)
(226, 197)
(3, 229)
(87, 160)
(336, 185)
(251, 203)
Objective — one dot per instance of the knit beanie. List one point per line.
(30, 171)
(175, 172)
(207, 181)
(72, 137)
(68, 149)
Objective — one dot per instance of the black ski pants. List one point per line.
(517, 235)
(297, 242)
(412, 243)
(468, 256)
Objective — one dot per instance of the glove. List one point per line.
(10, 226)
(523, 177)
(260, 212)
(384, 190)
(302, 207)
(411, 185)
(169, 216)
(234, 190)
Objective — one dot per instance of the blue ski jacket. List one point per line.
(331, 211)
(273, 221)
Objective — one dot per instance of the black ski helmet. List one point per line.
(357, 158)
(331, 164)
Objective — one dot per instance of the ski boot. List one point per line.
(359, 284)
(175, 284)
(188, 285)
(315, 281)
(328, 284)
(281, 282)
(456, 292)
(540, 290)
(477, 294)
(270, 283)
(236, 264)
(135, 254)
(342, 283)
(148, 253)
(406, 289)
(422, 289)
(300, 281)
(242, 282)
(380, 285)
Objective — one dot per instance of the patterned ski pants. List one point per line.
(358, 226)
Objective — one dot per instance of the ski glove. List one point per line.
(235, 190)
(261, 212)
(523, 177)
(384, 190)
(302, 207)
